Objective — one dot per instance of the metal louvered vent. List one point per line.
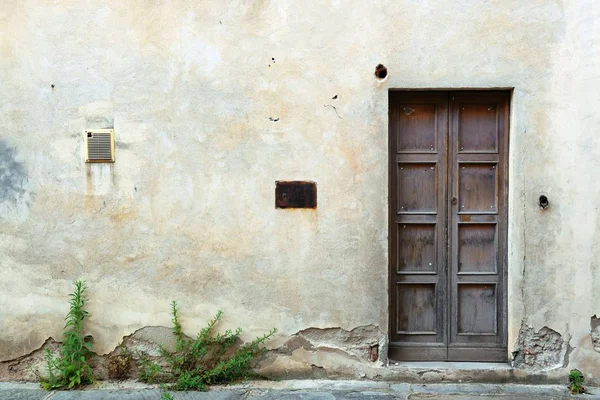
(100, 145)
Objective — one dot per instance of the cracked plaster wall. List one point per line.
(212, 104)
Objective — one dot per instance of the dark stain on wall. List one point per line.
(13, 177)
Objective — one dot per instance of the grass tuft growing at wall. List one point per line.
(196, 363)
(69, 369)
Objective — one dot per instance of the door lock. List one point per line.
(454, 201)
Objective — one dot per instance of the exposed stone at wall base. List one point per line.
(310, 349)
(542, 350)
(29, 366)
(145, 341)
(331, 353)
(327, 353)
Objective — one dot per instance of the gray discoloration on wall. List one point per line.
(14, 194)
(12, 175)
(541, 350)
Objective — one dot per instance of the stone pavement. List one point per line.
(304, 390)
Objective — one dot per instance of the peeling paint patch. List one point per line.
(27, 367)
(147, 341)
(294, 343)
(315, 353)
(595, 332)
(542, 350)
(357, 344)
(150, 339)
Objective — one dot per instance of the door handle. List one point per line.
(453, 201)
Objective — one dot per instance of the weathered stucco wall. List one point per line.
(212, 103)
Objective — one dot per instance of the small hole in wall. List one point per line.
(381, 72)
(52, 86)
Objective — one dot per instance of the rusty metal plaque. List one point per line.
(296, 194)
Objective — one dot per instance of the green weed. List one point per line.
(165, 395)
(149, 370)
(70, 368)
(576, 382)
(119, 365)
(205, 360)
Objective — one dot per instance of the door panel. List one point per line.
(416, 308)
(417, 124)
(477, 248)
(478, 128)
(418, 150)
(477, 187)
(417, 188)
(448, 225)
(417, 248)
(477, 179)
(476, 309)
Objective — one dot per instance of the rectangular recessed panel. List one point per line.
(416, 128)
(416, 248)
(476, 309)
(478, 129)
(416, 308)
(295, 194)
(477, 248)
(477, 187)
(417, 187)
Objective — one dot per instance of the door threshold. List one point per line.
(426, 372)
(451, 365)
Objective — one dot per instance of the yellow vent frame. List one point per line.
(95, 159)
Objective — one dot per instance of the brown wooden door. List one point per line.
(448, 186)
